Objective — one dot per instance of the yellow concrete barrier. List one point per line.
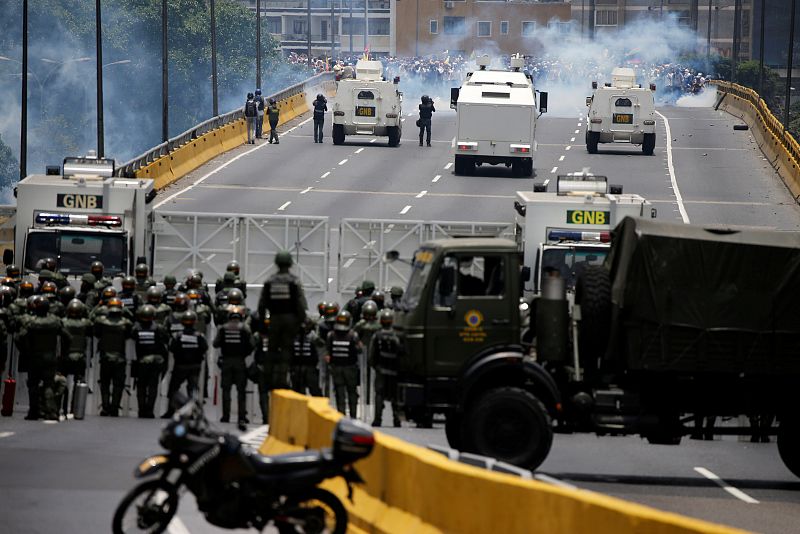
(159, 170)
(208, 146)
(182, 160)
(409, 489)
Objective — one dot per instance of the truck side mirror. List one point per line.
(447, 282)
(594, 85)
(454, 97)
(390, 256)
(588, 100)
(543, 102)
(8, 256)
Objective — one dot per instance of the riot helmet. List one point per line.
(66, 294)
(369, 310)
(343, 320)
(387, 318)
(146, 313)
(76, 309)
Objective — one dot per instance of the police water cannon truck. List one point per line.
(81, 214)
(367, 105)
(621, 111)
(496, 113)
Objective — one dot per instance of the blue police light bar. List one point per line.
(574, 235)
(66, 219)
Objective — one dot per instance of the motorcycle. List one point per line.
(236, 487)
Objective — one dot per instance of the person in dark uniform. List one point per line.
(188, 348)
(306, 360)
(112, 330)
(260, 370)
(468, 285)
(273, 114)
(97, 269)
(426, 111)
(143, 280)
(343, 350)
(235, 341)
(320, 107)
(168, 296)
(73, 355)
(151, 339)
(384, 351)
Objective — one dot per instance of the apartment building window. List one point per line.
(358, 26)
(455, 25)
(484, 28)
(378, 26)
(274, 25)
(434, 27)
(560, 27)
(298, 26)
(528, 27)
(503, 27)
(605, 17)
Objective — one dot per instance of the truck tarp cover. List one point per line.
(690, 298)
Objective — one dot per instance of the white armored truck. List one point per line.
(367, 105)
(621, 112)
(496, 116)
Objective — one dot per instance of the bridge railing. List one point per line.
(129, 168)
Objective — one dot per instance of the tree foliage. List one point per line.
(9, 166)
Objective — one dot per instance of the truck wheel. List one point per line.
(394, 135)
(452, 429)
(517, 168)
(528, 169)
(338, 134)
(592, 138)
(789, 444)
(509, 424)
(649, 144)
(593, 293)
(465, 166)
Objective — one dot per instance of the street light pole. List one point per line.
(708, 41)
(23, 126)
(737, 12)
(214, 101)
(258, 43)
(351, 29)
(416, 39)
(164, 75)
(761, 50)
(789, 65)
(99, 36)
(366, 26)
(308, 32)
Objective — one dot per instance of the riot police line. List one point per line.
(154, 338)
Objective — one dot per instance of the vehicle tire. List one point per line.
(319, 511)
(394, 135)
(649, 144)
(518, 168)
(593, 293)
(338, 134)
(452, 429)
(465, 166)
(509, 424)
(789, 444)
(592, 138)
(527, 170)
(153, 514)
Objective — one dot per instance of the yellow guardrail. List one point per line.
(774, 140)
(181, 161)
(411, 489)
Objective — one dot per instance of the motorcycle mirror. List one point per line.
(391, 256)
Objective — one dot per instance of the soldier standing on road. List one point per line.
(343, 350)
(306, 360)
(261, 367)
(384, 350)
(97, 270)
(426, 111)
(129, 297)
(151, 339)
(79, 328)
(366, 328)
(273, 114)
(235, 341)
(260, 110)
(38, 342)
(283, 296)
(154, 298)
(320, 107)
(168, 296)
(88, 294)
(188, 348)
(112, 331)
(143, 280)
(250, 116)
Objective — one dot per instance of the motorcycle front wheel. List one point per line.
(149, 507)
(316, 511)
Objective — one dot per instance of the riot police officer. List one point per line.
(188, 348)
(143, 280)
(306, 360)
(169, 290)
(343, 350)
(235, 281)
(283, 296)
(88, 294)
(320, 107)
(97, 269)
(180, 304)
(129, 296)
(365, 328)
(384, 350)
(235, 341)
(79, 328)
(154, 298)
(112, 330)
(426, 111)
(151, 339)
(260, 369)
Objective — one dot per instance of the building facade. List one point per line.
(466, 26)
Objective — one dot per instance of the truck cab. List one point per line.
(80, 215)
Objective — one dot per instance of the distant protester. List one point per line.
(250, 115)
(260, 104)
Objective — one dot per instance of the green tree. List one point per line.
(9, 166)
(747, 75)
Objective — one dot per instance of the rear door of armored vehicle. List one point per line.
(624, 113)
(367, 102)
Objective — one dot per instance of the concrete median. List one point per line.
(412, 489)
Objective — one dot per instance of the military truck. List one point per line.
(368, 105)
(496, 112)
(621, 111)
(679, 322)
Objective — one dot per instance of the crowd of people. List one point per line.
(175, 327)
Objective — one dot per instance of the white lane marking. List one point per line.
(285, 205)
(359, 150)
(343, 161)
(373, 140)
(405, 210)
(422, 193)
(306, 190)
(554, 170)
(576, 131)
(213, 172)
(448, 165)
(568, 147)
(572, 140)
(348, 263)
(561, 158)
(6, 434)
(436, 178)
(554, 481)
(176, 526)
(684, 215)
(739, 494)
(326, 174)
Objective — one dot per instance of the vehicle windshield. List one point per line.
(570, 261)
(420, 269)
(75, 251)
